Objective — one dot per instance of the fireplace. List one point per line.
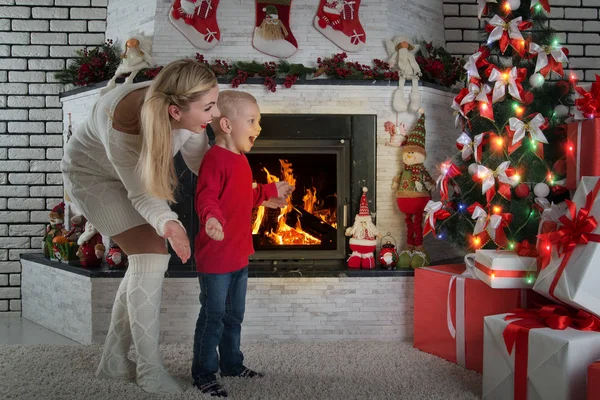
(328, 158)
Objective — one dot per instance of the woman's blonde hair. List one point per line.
(179, 83)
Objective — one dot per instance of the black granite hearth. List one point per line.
(184, 271)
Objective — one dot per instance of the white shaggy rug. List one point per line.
(297, 370)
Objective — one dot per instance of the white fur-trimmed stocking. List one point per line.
(114, 363)
(144, 293)
(338, 21)
(272, 33)
(197, 21)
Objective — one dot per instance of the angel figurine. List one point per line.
(135, 58)
(402, 59)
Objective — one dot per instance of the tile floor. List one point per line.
(16, 330)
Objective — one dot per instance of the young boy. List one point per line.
(225, 196)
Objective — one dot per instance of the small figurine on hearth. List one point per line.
(77, 228)
(363, 241)
(135, 58)
(54, 229)
(413, 185)
(388, 256)
(91, 250)
(116, 258)
(402, 59)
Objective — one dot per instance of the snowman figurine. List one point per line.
(413, 190)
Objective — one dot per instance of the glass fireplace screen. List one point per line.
(310, 220)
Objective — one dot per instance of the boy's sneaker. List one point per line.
(246, 373)
(212, 388)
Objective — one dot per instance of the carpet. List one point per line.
(294, 370)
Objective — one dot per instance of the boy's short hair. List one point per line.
(229, 102)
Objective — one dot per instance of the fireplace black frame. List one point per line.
(354, 136)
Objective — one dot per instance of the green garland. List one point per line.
(100, 63)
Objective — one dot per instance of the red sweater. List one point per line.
(224, 191)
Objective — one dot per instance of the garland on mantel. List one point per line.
(96, 65)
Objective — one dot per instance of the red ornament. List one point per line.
(560, 167)
(522, 190)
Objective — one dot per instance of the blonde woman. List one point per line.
(118, 169)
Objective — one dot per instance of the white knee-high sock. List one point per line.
(144, 293)
(114, 363)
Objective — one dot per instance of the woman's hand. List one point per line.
(214, 229)
(178, 239)
(284, 189)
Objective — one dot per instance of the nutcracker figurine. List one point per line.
(413, 185)
(363, 241)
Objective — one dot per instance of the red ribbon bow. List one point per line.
(576, 230)
(589, 102)
(516, 334)
(526, 249)
(449, 172)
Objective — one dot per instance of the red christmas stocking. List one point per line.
(272, 33)
(197, 21)
(338, 21)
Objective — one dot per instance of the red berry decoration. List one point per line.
(522, 190)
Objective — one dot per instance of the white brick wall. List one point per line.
(276, 308)
(381, 19)
(576, 22)
(37, 38)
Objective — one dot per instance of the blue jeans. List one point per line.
(222, 306)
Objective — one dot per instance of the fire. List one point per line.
(285, 234)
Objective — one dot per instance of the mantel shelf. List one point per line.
(280, 81)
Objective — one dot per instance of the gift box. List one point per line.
(449, 308)
(593, 381)
(571, 275)
(583, 155)
(503, 269)
(526, 359)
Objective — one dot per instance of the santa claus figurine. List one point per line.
(363, 241)
(91, 250)
(77, 228)
(115, 257)
(412, 186)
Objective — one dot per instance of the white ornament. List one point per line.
(541, 190)
(536, 80)
(514, 4)
(472, 169)
(561, 111)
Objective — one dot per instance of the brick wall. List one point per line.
(576, 22)
(37, 37)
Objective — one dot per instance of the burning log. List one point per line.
(312, 224)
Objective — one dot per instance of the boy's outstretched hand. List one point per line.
(284, 189)
(214, 229)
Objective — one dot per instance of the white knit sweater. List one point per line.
(99, 167)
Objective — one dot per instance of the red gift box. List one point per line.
(593, 381)
(583, 151)
(449, 309)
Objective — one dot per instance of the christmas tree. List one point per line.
(511, 160)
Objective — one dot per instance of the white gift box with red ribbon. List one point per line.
(503, 269)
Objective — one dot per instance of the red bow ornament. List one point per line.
(477, 61)
(449, 171)
(526, 249)
(549, 58)
(517, 130)
(482, 7)
(512, 79)
(458, 112)
(496, 226)
(480, 93)
(507, 33)
(433, 212)
(505, 175)
(589, 102)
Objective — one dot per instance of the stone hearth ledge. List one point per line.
(337, 307)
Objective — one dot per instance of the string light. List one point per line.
(461, 206)
(555, 43)
(497, 209)
(484, 106)
(533, 144)
(511, 245)
(530, 280)
(507, 6)
(517, 177)
(519, 110)
(505, 76)
(548, 247)
(440, 236)
(538, 7)
(493, 274)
